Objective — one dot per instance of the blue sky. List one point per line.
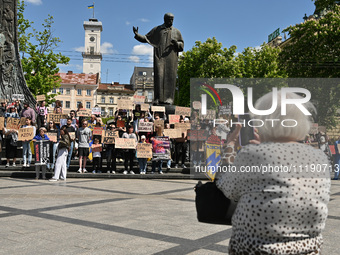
(244, 23)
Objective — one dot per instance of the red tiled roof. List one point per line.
(79, 78)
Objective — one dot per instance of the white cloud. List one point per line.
(144, 20)
(80, 49)
(257, 48)
(127, 23)
(36, 2)
(107, 48)
(142, 49)
(79, 67)
(134, 59)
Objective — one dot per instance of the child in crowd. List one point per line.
(26, 149)
(142, 161)
(97, 157)
(41, 164)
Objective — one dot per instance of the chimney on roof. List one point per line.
(69, 72)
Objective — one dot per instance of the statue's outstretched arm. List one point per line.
(139, 37)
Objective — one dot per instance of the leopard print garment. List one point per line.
(279, 211)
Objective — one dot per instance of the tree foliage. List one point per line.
(39, 62)
(211, 60)
(313, 51)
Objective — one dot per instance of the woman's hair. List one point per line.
(64, 128)
(48, 126)
(159, 130)
(57, 104)
(274, 130)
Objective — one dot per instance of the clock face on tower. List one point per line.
(92, 39)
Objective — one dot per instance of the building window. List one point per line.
(53, 104)
(139, 93)
(111, 112)
(111, 100)
(78, 103)
(88, 105)
(88, 92)
(62, 103)
(103, 100)
(61, 91)
(79, 92)
(68, 104)
(102, 111)
(54, 91)
(150, 96)
(68, 91)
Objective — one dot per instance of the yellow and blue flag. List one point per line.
(213, 156)
(90, 6)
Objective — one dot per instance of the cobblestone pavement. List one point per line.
(112, 216)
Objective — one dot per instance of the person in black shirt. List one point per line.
(71, 130)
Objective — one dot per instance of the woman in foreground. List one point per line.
(279, 211)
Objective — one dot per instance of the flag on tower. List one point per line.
(90, 6)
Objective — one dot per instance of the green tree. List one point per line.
(313, 51)
(38, 59)
(211, 60)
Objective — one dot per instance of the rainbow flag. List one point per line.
(90, 6)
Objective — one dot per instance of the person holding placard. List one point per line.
(26, 149)
(121, 131)
(42, 114)
(137, 115)
(84, 135)
(70, 129)
(96, 157)
(129, 154)
(3, 109)
(146, 134)
(157, 163)
(93, 120)
(181, 147)
(41, 137)
(58, 108)
(52, 128)
(28, 112)
(12, 112)
(11, 140)
(63, 147)
(142, 161)
(111, 152)
(168, 164)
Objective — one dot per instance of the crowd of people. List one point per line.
(75, 140)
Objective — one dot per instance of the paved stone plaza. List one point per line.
(113, 216)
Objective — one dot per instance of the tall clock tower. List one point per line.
(92, 57)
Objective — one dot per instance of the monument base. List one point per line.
(169, 109)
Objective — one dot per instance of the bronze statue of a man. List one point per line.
(167, 42)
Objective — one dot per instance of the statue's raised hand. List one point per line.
(135, 30)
